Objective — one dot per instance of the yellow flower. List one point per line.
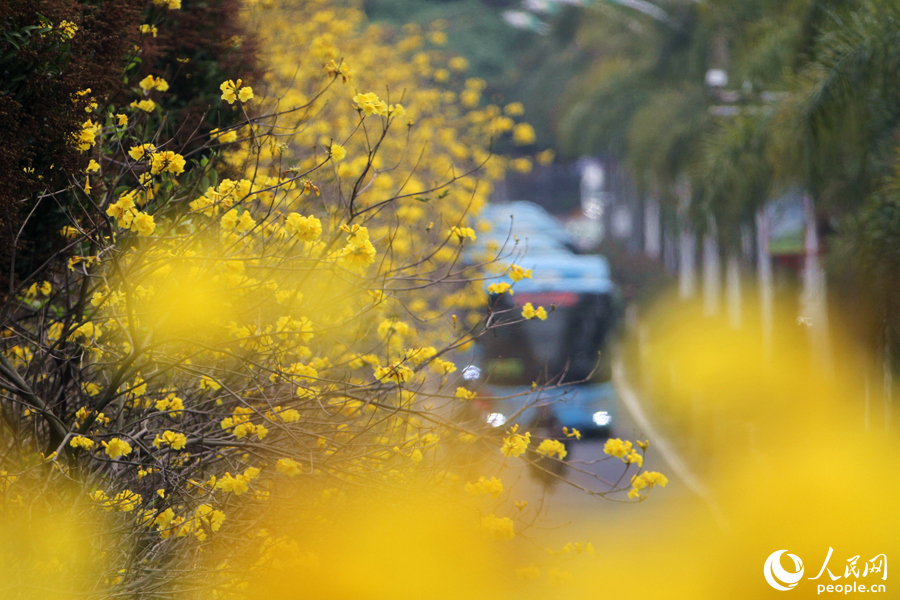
(229, 90)
(232, 90)
(515, 444)
(443, 367)
(396, 372)
(166, 161)
(122, 121)
(420, 355)
(143, 224)
(67, 29)
(634, 457)
(116, 448)
(225, 137)
(462, 233)
(458, 63)
(126, 501)
(334, 70)
(88, 135)
(146, 29)
(546, 157)
(438, 38)
(79, 441)
(523, 134)
(464, 394)
(551, 447)
(517, 273)
(176, 441)
(498, 527)
(492, 486)
(150, 82)
(500, 288)
(618, 448)
(145, 105)
(530, 312)
(522, 165)
(357, 255)
(288, 467)
(337, 152)
(206, 383)
(92, 166)
(169, 4)
(370, 104)
(646, 481)
(245, 94)
(574, 433)
(139, 152)
(307, 229)
(514, 109)
(389, 327)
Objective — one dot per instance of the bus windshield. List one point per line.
(562, 349)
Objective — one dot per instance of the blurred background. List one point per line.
(731, 166)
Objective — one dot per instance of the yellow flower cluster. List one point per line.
(335, 70)
(240, 424)
(237, 484)
(288, 467)
(464, 394)
(500, 528)
(176, 441)
(359, 252)
(492, 486)
(396, 372)
(168, 4)
(128, 216)
(549, 447)
(88, 135)
(79, 441)
(463, 233)
(517, 273)
(235, 90)
(125, 501)
(67, 29)
(117, 447)
(624, 450)
(515, 444)
(645, 481)
(500, 288)
(530, 312)
(307, 229)
(370, 104)
(150, 83)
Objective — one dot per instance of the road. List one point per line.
(583, 509)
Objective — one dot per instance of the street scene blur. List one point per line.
(370, 299)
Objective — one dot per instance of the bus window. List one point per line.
(562, 349)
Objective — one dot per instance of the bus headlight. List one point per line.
(496, 419)
(471, 373)
(602, 418)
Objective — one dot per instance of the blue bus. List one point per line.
(567, 355)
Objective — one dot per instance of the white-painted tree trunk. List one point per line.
(712, 271)
(652, 239)
(814, 303)
(687, 257)
(764, 275)
(733, 291)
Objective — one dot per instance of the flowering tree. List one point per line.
(264, 317)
